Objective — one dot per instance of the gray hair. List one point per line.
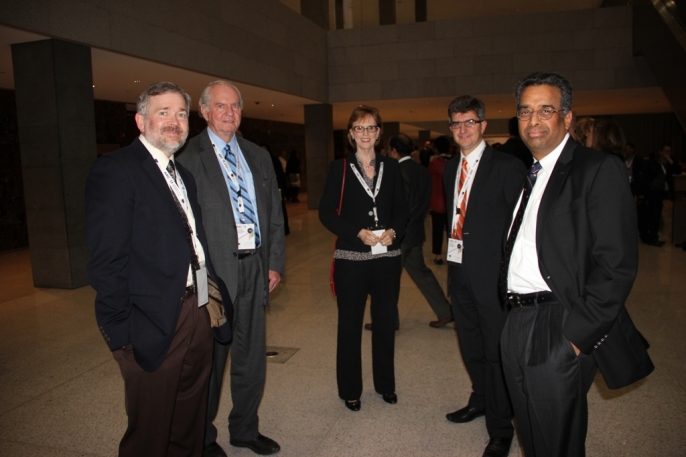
(159, 88)
(542, 78)
(205, 95)
(465, 104)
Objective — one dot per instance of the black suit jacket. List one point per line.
(494, 192)
(588, 256)
(140, 253)
(417, 181)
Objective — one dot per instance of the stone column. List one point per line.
(317, 11)
(389, 129)
(424, 136)
(386, 12)
(56, 121)
(318, 149)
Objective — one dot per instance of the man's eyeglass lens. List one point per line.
(469, 123)
(543, 114)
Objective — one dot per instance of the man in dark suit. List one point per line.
(570, 261)
(417, 182)
(149, 267)
(515, 146)
(481, 186)
(239, 196)
(658, 185)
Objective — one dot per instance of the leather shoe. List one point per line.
(260, 445)
(369, 327)
(353, 405)
(442, 322)
(438, 261)
(466, 414)
(213, 450)
(498, 447)
(390, 398)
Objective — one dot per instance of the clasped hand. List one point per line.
(368, 237)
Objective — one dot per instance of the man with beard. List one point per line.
(150, 269)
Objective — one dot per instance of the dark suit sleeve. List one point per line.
(277, 245)
(613, 256)
(401, 210)
(328, 205)
(109, 213)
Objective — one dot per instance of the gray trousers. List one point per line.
(248, 359)
(413, 261)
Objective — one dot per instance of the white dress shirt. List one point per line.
(524, 276)
(473, 159)
(162, 161)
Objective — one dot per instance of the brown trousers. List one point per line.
(166, 408)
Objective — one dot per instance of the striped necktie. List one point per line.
(459, 223)
(249, 215)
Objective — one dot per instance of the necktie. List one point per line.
(171, 168)
(248, 216)
(459, 223)
(516, 224)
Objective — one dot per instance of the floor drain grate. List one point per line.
(278, 354)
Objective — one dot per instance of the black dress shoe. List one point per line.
(369, 326)
(466, 414)
(498, 447)
(213, 450)
(390, 398)
(442, 322)
(353, 405)
(260, 445)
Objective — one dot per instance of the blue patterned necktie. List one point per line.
(516, 224)
(248, 216)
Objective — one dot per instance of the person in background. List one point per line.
(608, 137)
(583, 131)
(293, 172)
(437, 206)
(515, 146)
(364, 205)
(658, 185)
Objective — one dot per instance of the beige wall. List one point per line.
(593, 48)
(261, 42)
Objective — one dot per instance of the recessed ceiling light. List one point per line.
(136, 81)
(272, 104)
(93, 85)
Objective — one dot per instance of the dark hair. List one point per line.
(631, 144)
(513, 126)
(542, 78)
(583, 128)
(665, 145)
(465, 104)
(401, 143)
(609, 137)
(360, 112)
(159, 88)
(442, 144)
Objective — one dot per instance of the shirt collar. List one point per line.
(221, 144)
(475, 154)
(157, 154)
(548, 162)
(402, 159)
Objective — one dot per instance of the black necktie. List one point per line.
(516, 224)
(171, 169)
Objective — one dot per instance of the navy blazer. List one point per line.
(140, 253)
(588, 255)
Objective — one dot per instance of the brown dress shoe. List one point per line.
(442, 322)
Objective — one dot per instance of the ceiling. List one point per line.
(119, 77)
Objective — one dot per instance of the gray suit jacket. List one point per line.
(220, 226)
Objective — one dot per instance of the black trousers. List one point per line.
(479, 326)
(166, 408)
(355, 280)
(548, 383)
(652, 213)
(248, 357)
(439, 226)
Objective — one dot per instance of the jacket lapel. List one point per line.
(151, 169)
(449, 184)
(480, 178)
(552, 190)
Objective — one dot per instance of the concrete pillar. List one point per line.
(389, 129)
(318, 149)
(317, 11)
(424, 136)
(420, 11)
(56, 121)
(386, 12)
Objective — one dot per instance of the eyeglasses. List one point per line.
(369, 129)
(524, 114)
(469, 123)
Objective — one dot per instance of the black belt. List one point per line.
(190, 291)
(533, 299)
(243, 255)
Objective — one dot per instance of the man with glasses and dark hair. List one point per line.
(570, 261)
(239, 194)
(481, 185)
(150, 269)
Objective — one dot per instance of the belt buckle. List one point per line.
(517, 300)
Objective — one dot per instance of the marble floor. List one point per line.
(61, 393)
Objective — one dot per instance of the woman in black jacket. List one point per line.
(364, 205)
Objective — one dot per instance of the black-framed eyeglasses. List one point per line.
(469, 123)
(524, 114)
(362, 128)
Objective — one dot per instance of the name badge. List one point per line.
(378, 248)
(455, 248)
(201, 278)
(246, 237)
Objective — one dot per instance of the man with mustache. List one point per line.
(150, 269)
(239, 195)
(570, 261)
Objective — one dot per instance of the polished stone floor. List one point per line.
(61, 393)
